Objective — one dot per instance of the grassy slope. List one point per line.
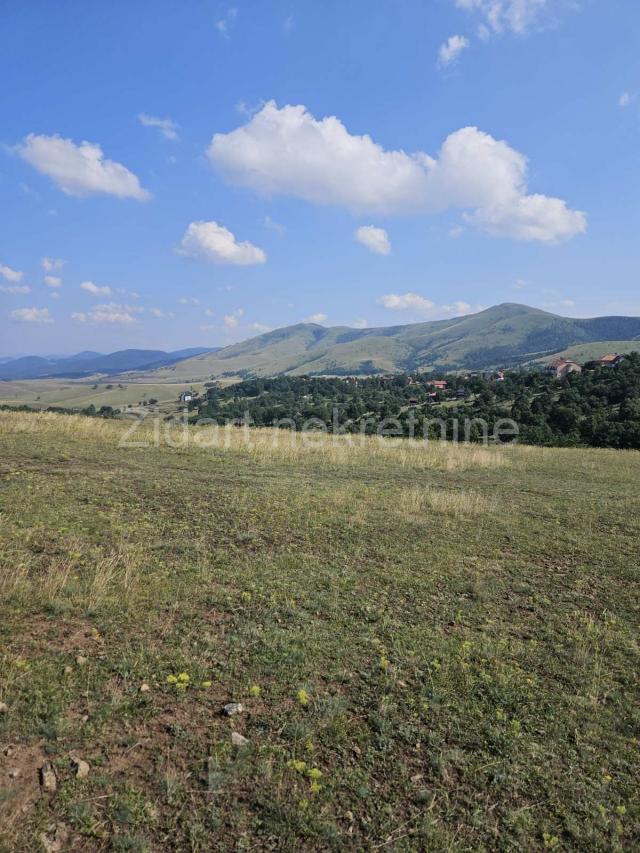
(56, 392)
(585, 352)
(464, 622)
(502, 335)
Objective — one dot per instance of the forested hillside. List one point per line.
(600, 407)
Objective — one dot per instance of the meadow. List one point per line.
(435, 647)
(76, 394)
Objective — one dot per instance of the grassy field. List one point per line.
(586, 352)
(41, 393)
(436, 648)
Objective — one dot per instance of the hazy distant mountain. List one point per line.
(88, 363)
(505, 335)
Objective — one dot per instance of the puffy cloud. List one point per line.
(288, 151)
(52, 264)
(625, 99)
(360, 323)
(158, 313)
(188, 300)
(79, 170)
(95, 289)
(31, 315)
(317, 318)
(420, 305)
(406, 302)
(260, 328)
(109, 313)
(209, 241)
(53, 281)
(531, 217)
(231, 320)
(375, 239)
(168, 128)
(451, 50)
(10, 275)
(516, 16)
(15, 288)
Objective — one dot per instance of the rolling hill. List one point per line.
(89, 363)
(503, 336)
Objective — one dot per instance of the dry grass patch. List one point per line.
(419, 501)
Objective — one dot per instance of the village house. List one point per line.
(609, 360)
(440, 384)
(186, 397)
(561, 367)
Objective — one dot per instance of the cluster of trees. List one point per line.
(599, 407)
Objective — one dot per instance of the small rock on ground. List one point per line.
(232, 708)
(238, 740)
(80, 768)
(48, 779)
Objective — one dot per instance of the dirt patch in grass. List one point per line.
(19, 783)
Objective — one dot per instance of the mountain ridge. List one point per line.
(504, 335)
(87, 363)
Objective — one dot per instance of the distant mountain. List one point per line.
(89, 363)
(503, 336)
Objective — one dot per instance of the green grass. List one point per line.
(463, 623)
(587, 352)
(41, 393)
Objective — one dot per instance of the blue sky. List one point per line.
(249, 165)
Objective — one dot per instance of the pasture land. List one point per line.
(435, 647)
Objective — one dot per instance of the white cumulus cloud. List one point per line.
(79, 170)
(109, 313)
(31, 315)
(625, 99)
(406, 302)
(451, 50)
(317, 318)
(375, 239)
(10, 275)
(209, 241)
(421, 305)
(95, 289)
(53, 281)
(288, 151)
(168, 128)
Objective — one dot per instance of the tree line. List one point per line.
(599, 407)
